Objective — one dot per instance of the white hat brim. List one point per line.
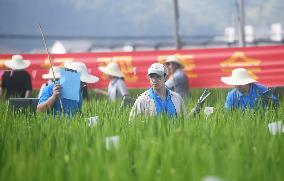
(87, 78)
(235, 81)
(13, 66)
(174, 61)
(50, 76)
(108, 72)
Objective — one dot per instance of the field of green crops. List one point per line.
(233, 146)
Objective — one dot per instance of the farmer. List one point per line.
(49, 99)
(178, 80)
(50, 77)
(116, 87)
(16, 82)
(246, 94)
(158, 99)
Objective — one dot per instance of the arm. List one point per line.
(47, 104)
(28, 85)
(122, 88)
(27, 93)
(100, 91)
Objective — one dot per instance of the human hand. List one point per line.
(56, 90)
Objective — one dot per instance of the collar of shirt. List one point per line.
(240, 94)
(165, 106)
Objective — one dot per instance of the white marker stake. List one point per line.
(92, 121)
(211, 178)
(208, 111)
(112, 142)
(275, 127)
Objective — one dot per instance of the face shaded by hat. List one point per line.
(49, 75)
(85, 76)
(17, 63)
(112, 69)
(239, 76)
(174, 59)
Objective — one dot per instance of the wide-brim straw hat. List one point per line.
(239, 76)
(174, 59)
(112, 69)
(49, 75)
(17, 63)
(85, 76)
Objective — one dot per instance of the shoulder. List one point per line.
(179, 73)
(49, 87)
(260, 87)
(120, 82)
(174, 94)
(232, 93)
(175, 97)
(145, 95)
(5, 74)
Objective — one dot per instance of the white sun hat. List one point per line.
(85, 76)
(49, 75)
(17, 63)
(174, 59)
(239, 76)
(157, 68)
(112, 69)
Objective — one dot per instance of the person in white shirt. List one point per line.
(116, 88)
(158, 99)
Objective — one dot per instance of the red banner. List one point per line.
(204, 67)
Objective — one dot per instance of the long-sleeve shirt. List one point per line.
(236, 99)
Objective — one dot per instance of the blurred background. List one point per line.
(127, 25)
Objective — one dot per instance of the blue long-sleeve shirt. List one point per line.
(236, 99)
(71, 107)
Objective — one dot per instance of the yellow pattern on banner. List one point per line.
(239, 59)
(56, 62)
(125, 64)
(186, 60)
(2, 66)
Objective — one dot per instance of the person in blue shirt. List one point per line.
(50, 97)
(247, 94)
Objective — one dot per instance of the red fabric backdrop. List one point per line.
(204, 67)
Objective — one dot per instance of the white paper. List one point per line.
(211, 178)
(208, 111)
(276, 127)
(112, 142)
(92, 121)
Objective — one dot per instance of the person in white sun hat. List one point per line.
(158, 99)
(246, 94)
(50, 79)
(178, 80)
(49, 99)
(116, 87)
(16, 82)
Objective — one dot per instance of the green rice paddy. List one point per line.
(228, 145)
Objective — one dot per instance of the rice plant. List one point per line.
(227, 145)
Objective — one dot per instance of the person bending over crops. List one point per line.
(50, 97)
(158, 99)
(178, 80)
(116, 88)
(247, 94)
